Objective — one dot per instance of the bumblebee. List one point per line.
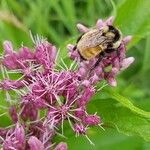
(98, 42)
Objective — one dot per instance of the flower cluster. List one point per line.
(46, 97)
(116, 60)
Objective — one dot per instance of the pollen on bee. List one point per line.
(117, 44)
(90, 53)
(110, 35)
(105, 29)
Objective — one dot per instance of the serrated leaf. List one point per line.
(121, 118)
(127, 103)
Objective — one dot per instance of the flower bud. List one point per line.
(13, 114)
(112, 81)
(61, 146)
(79, 129)
(86, 96)
(25, 53)
(127, 39)
(99, 24)
(7, 45)
(91, 120)
(35, 144)
(109, 21)
(127, 62)
(82, 28)
(20, 133)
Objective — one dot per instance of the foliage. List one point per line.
(127, 108)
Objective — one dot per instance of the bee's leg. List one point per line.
(78, 39)
(118, 53)
(100, 57)
(82, 58)
(110, 50)
(75, 47)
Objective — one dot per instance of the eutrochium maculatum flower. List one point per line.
(61, 94)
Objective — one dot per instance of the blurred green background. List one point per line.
(57, 19)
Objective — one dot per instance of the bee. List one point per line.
(98, 42)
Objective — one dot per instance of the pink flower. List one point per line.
(10, 57)
(82, 28)
(12, 60)
(86, 96)
(28, 108)
(126, 62)
(117, 60)
(25, 53)
(91, 120)
(71, 53)
(61, 146)
(13, 114)
(45, 54)
(8, 84)
(45, 97)
(80, 112)
(35, 144)
(79, 129)
(15, 139)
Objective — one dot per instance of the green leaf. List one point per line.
(61, 14)
(105, 140)
(127, 103)
(132, 18)
(4, 118)
(121, 118)
(114, 12)
(146, 66)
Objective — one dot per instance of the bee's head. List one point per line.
(113, 34)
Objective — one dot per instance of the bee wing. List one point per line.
(91, 39)
(95, 41)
